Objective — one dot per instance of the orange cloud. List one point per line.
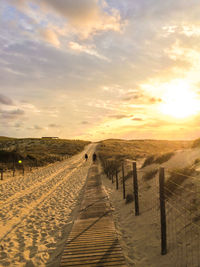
(86, 16)
(50, 36)
(86, 49)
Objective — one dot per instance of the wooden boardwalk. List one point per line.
(93, 240)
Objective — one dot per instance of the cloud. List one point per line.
(154, 100)
(86, 49)
(137, 119)
(81, 17)
(37, 127)
(120, 116)
(11, 114)
(84, 122)
(50, 36)
(18, 125)
(85, 16)
(141, 98)
(6, 100)
(52, 125)
(18, 3)
(134, 95)
(77, 11)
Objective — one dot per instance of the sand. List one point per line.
(37, 211)
(140, 235)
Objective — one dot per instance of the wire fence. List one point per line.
(172, 198)
(183, 217)
(10, 170)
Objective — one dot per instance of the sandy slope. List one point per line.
(36, 212)
(140, 235)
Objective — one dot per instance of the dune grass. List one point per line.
(150, 175)
(113, 152)
(134, 149)
(163, 158)
(37, 151)
(148, 161)
(177, 177)
(196, 143)
(157, 159)
(197, 161)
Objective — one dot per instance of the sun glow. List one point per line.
(179, 101)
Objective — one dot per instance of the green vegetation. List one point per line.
(4, 138)
(112, 152)
(148, 161)
(158, 160)
(134, 149)
(197, 161)
(196, 143)
(177, 177)
(150, 175)
(36, 151)
(163, 158)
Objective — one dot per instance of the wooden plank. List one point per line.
(92, 254)
(90, 251)
(86, 245)
(96, 264)
(94, 258)
(93, 239)
(97, 261)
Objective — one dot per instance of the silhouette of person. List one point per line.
(94, 157)
(86, 157)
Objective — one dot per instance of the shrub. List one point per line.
(163, 158)
(197, 161)
(176, 179)
(159, 160)
(148, 161)
(129, 198)
(149, 175)
(196, 143)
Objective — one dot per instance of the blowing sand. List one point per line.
(37, 212)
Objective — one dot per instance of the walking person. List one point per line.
(94, 157)
(86, 157)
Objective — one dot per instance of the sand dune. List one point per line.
(140, 235)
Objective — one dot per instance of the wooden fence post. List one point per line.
(112, 178)
(162, 211)
(123, 181)
(117, 185)
(13, 163)
(135, 188)
(13, 172)
(23, 170)
(1, 174)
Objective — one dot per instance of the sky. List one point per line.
(99, 69)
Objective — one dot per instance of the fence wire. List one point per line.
(182, 207)
(183, 218)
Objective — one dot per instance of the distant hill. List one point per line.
(37, 151)
(132, 149)
(5, 138)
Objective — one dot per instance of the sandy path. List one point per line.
(35, 212)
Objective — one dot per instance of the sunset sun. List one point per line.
(179, 102)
